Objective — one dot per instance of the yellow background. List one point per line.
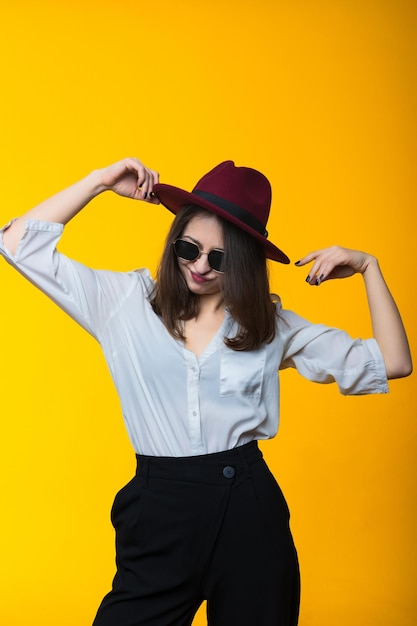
(321, 96)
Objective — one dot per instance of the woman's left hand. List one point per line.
(334, 262)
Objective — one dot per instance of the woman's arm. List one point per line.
(129, 178)
(388, 329)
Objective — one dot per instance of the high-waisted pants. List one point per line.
(212, 527)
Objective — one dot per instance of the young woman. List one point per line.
(195, 356)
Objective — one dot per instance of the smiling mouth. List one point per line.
(198, 278)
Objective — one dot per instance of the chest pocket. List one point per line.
(241, 373)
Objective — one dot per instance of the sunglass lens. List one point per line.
(216, 258)
(186, 249)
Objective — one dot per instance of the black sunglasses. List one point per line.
(189, 251)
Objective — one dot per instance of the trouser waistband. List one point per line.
(217, 468)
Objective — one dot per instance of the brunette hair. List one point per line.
(245, 285)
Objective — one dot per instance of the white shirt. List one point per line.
(173, 403)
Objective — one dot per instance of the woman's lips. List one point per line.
(198, 278)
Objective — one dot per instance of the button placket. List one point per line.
(194, 422)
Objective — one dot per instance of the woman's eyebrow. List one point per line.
(192, 239)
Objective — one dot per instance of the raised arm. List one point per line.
(129, 178)
(388, 329)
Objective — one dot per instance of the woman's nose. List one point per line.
(201, 264)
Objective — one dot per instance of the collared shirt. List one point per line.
(173, 403)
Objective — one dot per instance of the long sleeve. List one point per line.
(323, 354)
(89, 296)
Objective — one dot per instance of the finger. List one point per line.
(155, 181)
(140, 171)
(315, 275)
(306, 259)
(145, 183)
(320, 268)
(151, 180)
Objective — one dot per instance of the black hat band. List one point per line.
(234, 210)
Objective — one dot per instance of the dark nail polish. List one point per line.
(297, 262)
(308, 279)
(145, 195)
(317, 283)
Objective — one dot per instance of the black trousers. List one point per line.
(212, 527)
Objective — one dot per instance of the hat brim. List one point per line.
(174, 198)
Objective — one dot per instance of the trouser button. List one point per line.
(229, 471)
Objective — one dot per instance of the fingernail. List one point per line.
(308, 279)
(145, 195)
(317, 283)
(297, 262)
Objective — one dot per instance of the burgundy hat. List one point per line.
(240, 195)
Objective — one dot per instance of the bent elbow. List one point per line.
(400, 370)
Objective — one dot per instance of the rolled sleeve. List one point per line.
(28, 244)
(325, 355)
(89, 296)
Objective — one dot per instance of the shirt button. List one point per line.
(229, 471)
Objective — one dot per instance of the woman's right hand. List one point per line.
(131, 179)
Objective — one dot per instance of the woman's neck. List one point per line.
(213, 304)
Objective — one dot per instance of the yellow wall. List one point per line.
(321, 96)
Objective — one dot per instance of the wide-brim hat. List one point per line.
(240, 195)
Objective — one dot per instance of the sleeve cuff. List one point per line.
(379, 365)
(54, 228)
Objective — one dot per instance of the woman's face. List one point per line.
(205, 231)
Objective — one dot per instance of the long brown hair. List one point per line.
(245, 286)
